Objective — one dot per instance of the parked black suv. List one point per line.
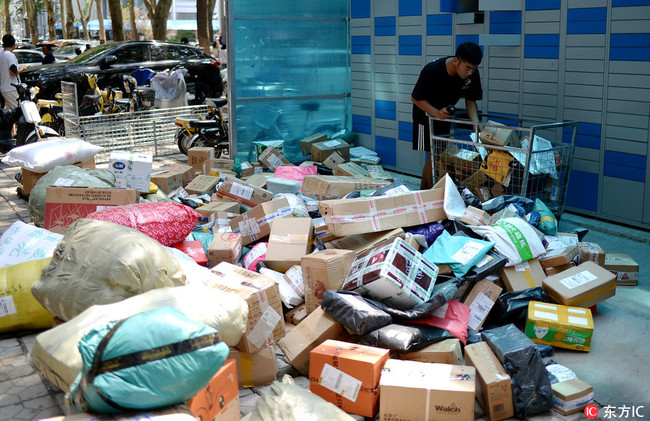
(111, 60)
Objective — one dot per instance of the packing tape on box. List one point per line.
(375, 216)
(277, 214)
(246, 364)
(288, 238)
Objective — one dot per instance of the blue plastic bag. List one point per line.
(151, 360)
(461, 253)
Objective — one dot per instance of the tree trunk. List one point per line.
(134, 27)
(62, 15)
(211, 4)
(84, 16)
(158, 14)
(69, 18)
(51, 18)
(100, 18)
(31, 14)
(7, 18)
(115, 9)
(202, 19)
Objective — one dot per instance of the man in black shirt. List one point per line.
(49, 57)
(440, 85)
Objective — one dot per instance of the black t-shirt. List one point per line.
(440, 90)
(49, 58)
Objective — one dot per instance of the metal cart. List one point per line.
(151, 131)
(489, 168)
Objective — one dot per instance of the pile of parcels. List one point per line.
(489, 171)
(170, 297)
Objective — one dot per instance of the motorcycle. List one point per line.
(209, 131)
(27, 119)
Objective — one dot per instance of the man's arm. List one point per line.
(425, 106)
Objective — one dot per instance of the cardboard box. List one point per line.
(465, 162)
(475, 181)
(326, 187)
(221, 221)
(312, 331)
(222, 163)
(258, 168)
(591, 252)
(571, 396)
(347, 375)
(187, 172)
(30, 177)
(377, 171)
(202, 184)
(258, 179)
(582, 286)
(167, 181)
(221, 173)
(558, 269)
(219, 400)
(447, 351)
(350, 169)
(214, 207)
(358, 216)
(289, 241)
(195, 250)
(561, 326)
(559, 257)
(321, 150)
(305, 144)
(256, 369)
(264, 325)
(362, 244)
(411, 390)
(322, 271)
(293, 276)
(199, 158)
(480, 300)
(497, 166)
(522, 276)
(333, 160)
(255, 224)
(64, 205)
(493, 384)
(261, 145)
(225, 247)
(500, 136)
(296, 314)
(624, 267)
(272, 158)
(247, 169)
(474, 216)
(132, 170)
(243, 192)
(396, 274)
(322, 231)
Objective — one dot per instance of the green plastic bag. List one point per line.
(154, 359)
(547, 222)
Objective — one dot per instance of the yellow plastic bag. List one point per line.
(18, 307)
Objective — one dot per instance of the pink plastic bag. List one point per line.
(295, 173)
(454, 321)
(256, 255)
(167, 222)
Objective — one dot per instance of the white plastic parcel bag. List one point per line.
(42, 156)
(453, 204)
(514, 238)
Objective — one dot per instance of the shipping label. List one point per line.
(577, 280)
(479, 310)
(263, 329)
(7, 306)
(339, 382)
(240, 190)
(467, 252)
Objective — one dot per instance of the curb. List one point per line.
(607, 227)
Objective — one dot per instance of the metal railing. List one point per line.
(150, 131)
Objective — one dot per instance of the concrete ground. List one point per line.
(617, 365)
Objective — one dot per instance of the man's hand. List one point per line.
(443, 114)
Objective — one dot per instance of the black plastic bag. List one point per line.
(356, 314)
(430, 231)
(531, 388)
(403, 338)
(495, 204)
(397, 184)
(512, 307)
(470, 199)
(458, 228)
(493, 262)
(442, 292)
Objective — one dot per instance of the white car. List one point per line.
(29, 58)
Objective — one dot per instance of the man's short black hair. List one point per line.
(470, 52)
(8, 41)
